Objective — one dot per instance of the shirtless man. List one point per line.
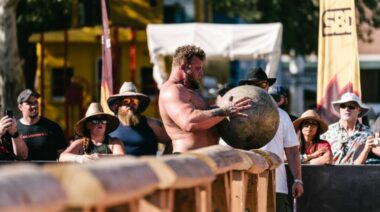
(186, 116)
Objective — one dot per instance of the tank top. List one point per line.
(102, 149)
(138, 140)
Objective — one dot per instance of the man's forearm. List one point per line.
(294, 162)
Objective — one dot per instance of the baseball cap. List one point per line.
(25, 94)
(277, 90)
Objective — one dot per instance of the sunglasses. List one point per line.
(31, 103)
(96, 121)
(349, 106)
(130, 101)
(261, 84)
(309, 123)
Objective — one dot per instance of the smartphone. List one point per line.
(9, 113)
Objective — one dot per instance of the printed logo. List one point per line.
(337, 22)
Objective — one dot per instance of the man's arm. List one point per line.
(365, 149)
(178, 106)
(293, 156)
(159, 130)
(20, 149)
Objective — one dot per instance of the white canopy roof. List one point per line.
(230, 41)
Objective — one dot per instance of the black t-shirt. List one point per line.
(43, 139)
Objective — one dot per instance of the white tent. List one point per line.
(230, 41)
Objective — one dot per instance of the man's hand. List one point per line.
(369, 144)
(5, 124)
(297, 189)
(234, 108)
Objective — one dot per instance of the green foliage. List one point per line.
(300, 18)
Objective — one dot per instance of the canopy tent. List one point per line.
(229, 41)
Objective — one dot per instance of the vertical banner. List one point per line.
(106, 85)
(338, 61)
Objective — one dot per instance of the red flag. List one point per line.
(106, 86)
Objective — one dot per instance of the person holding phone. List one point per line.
(12, 146)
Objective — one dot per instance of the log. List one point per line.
(254, 163)
(104, 183)
(25, 187)
(273, 160)
(189, 170)
(220, 158)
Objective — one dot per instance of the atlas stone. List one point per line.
(258, 128)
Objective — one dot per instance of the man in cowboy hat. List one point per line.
(284, 142)
(44, 138)
(185, 114)
(140, 134)
(350, 140)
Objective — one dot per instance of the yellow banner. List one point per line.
(338, 61)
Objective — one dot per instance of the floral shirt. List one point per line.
(346, 148)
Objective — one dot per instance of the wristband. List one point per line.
(298, 181)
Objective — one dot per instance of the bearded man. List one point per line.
(140, 134)
(187, 118)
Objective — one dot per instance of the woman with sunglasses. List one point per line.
(94, 142)
(313, 150)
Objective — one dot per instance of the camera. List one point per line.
(9, 113)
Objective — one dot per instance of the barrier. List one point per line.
(216, 178)
(24, 187)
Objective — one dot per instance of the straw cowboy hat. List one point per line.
(256, 75)
(128, 89)
(310, 115)
(95, 109)
(350, 97)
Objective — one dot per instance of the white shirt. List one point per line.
(284, 137)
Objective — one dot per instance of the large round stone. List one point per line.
(258, 128)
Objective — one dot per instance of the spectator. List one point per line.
(280, 95)
(283, 143)
(374, 155)
(350, 140)
(187, 118)
(140, 134)
(95, 141)
(12, 146)
(44, 138)
(313, 150)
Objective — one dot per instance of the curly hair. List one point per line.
(184, 54)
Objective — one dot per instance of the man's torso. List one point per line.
(181, 139)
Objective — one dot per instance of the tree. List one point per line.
(300, 19)
(11, 77)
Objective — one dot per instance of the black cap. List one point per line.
(25, 94)
(256, 75)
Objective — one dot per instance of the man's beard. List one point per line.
(129, 118)
(191, 82)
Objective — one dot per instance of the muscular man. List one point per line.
(187, 118)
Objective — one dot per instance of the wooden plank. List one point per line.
(238, 191)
